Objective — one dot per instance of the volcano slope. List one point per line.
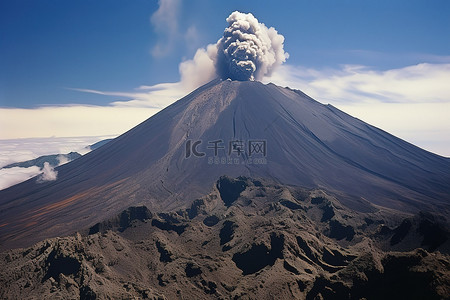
(306, 144)
(246, 239)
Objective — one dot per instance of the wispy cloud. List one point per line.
(62, 160)
(404, 58)
(421, 83)
(192, 38)
(157, 96)
(48, 174)
(165, 23)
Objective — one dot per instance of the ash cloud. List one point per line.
(248, 49)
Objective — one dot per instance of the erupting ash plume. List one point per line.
(248, 49)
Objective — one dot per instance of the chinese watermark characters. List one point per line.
(232, 152)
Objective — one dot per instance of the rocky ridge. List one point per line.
(247, 239)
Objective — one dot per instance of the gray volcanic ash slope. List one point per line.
(307, 144)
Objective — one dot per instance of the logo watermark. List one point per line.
(232, 152)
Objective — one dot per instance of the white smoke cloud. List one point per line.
(62, 159)
(199, 70)
(48, 173)
(248, 49)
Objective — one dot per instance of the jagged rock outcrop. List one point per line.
(271, 241)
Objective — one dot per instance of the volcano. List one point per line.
(229, 128)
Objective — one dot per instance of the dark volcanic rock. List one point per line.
(227, 231)
(273, 252)
(290, 268)
(211, 221)
(124, 220)
(165, 255)
(305, 247)
(197, 207)
(328, 290)
(140, 213)
(434, 233)
(335, 257)
(58, 263)
(317, 200)
(230, 189)
(179, 229)
(328, 213)
(339, 231)
(192, 270)
(290, 204)
(404, 276)
(210, 287)
(400, 232)
(384, 230)
(259, 256)
(86, 293)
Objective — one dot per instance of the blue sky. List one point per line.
(116, 51)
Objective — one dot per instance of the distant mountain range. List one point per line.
(54, 159)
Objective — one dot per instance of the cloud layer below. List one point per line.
(12, 176)
(19, 150)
